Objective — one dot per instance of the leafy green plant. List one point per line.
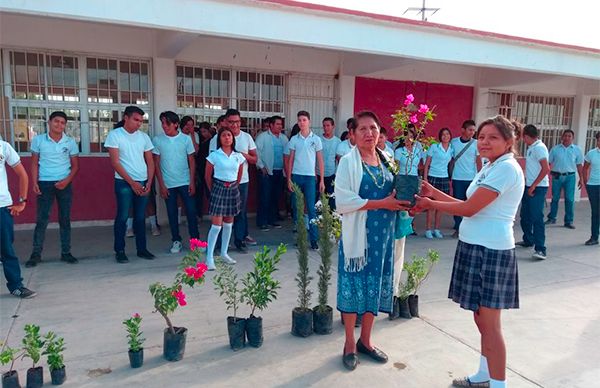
(326, 226)
(259, 286)
(55, 346)
(227, 283)
(33, 343)
(302, 277)
(10, 355)
(416, 272)
(134, 333)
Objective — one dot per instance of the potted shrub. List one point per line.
(32, 348)
(227, 283)
(259, 290)
(302, 316)
(135, 340)
(10, 378)
(416, 273)
(55, 346)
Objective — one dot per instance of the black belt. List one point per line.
(554, 173)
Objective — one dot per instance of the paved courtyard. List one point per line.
(552, 341)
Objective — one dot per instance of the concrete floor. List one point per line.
(552, 341)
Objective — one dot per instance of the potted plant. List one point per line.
(227, 283)
(416, 273)
(135, 340)
(302, 316)
(55, 346)
(259, 290)
(32, 348)
(10, 378)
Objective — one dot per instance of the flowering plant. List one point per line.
(334, 226)
(134, 334)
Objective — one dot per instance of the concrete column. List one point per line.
(581, 112)
(480, 104)
(346, 102)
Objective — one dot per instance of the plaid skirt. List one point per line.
(442, 184)
(484, 277)
(225, 199)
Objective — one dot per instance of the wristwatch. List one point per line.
(22, 200)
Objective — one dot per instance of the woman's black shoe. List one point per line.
(375, 354)
(350, 360)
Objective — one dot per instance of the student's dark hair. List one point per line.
(597, 135)
(205, 125)
(219, 137)
(468, 123)
(185, 120)
(119, 124)
(295, 130)
(569, 131)
(441, 132)
(330, 120)
(303, 113)
(267, 121)
(351, 123)
(170, 117)
(131, 109)
(409, 129)
(275, 118)
(58, 114)
(508, 129)
(232, 112)
(531, 131)
(220, 119)
(383, 130)
(363, 114)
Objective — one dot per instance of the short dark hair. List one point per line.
(569, 131)
(275, 118)
(351, 123)
(205, 125)
(468, 123)
(170, 117)
(383, 130)
(219, 137)
(232, 112)
(185, 120)
(330, 120)
(295, 130)
(366, 113)
(597, 135)
(221, 119)
(441, 132)
(266, 121)
(344, 136)
(531, 131)
(119, 124)
(58, 114)
(303, 113)
(131, 109)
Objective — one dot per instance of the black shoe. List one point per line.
(314, 246)
(569, 226)
(591, 241)
(524, 244)
(275, 225)
(121, 257)
(34, 260)
(145, 254)
(264, 228)
(375, 353)
(241, 247)
(68, 258)
(23, 293)
(350, 360)
(550, 221)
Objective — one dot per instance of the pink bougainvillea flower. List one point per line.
(190, 271)
(195, 244)
(180, 297)
(414, 119)
(136, 315)
(423, 108)
(409, 99)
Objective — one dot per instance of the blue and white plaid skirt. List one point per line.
(442, 184)
(484, 277)
(225, 199)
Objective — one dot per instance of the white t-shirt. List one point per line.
(305, 153)
(343, 148)
(440, 158)
(243, 144)
(329, 152)
(131, 148)
(174, 151)
(492, 226)
(9, 156)
(225, 167)
(535, 153)
(465, 168)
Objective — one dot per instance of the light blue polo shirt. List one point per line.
(174, 151)
(402, 156)
(279, 143)
(565, 159)
(440, 158)
(329, 148)
(55, 157)
(535, 153)
(593, 158)
(305, 153)
(465, 167)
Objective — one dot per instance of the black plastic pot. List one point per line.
(403, 308)
(58, 376)
(413, 305)
(136, 359)
(323, 320)
(236, 327)
(35, 377)
(395, 314)
(407, 186)
(10, 379)
(174, 344)
(302, 322)
(254, 331)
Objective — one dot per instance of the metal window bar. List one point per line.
(593, 124)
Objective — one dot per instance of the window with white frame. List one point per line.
(593, 124)
(314, 94)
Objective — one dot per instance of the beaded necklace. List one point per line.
(380, 173)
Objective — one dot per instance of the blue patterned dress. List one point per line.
(372, 289)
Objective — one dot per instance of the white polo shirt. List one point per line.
(9, 156)
(492, 226)
(440, 158)
(305, 153)
(174, 151)
(465, 167)
(131, 148)
(593, 158)
(243, 144)
(329, 152)
(225, 167)
(535, 153)
(55, 157)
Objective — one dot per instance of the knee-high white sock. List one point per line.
(497, 383)
(213, 234)
(153, 222)
(130, 223)
(483, 374)
(227, 228)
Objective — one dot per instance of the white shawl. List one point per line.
(354, 222)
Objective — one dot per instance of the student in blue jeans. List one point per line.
(591, 178)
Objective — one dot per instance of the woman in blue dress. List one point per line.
(364, 189)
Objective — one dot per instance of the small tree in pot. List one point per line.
(227, 283)
(10, 378)
(302, 316)
(55, 346)
(260, 289)
(135, 340)
(32, 348)
(416, 273)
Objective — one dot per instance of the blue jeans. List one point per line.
(240, 222)
(566, 183)
(44, 204)
(532, 218)
(308, 186)
(10, 261)
(593, 192)
(125, 198)
(190, 212)
(459, 191)
(270, 193)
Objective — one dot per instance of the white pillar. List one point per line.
(480, 104)
(346, 102)
(581, 111)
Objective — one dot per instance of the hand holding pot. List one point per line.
(426, 189)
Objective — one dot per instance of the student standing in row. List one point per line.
(54, 164)
(330, 144)
(203, 150)
(591, 178)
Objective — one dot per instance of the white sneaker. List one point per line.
(155, 231)
(129, 233)
(211, 266)
(428, 234)
(227, 259)
(438, 234)
(176, 247)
